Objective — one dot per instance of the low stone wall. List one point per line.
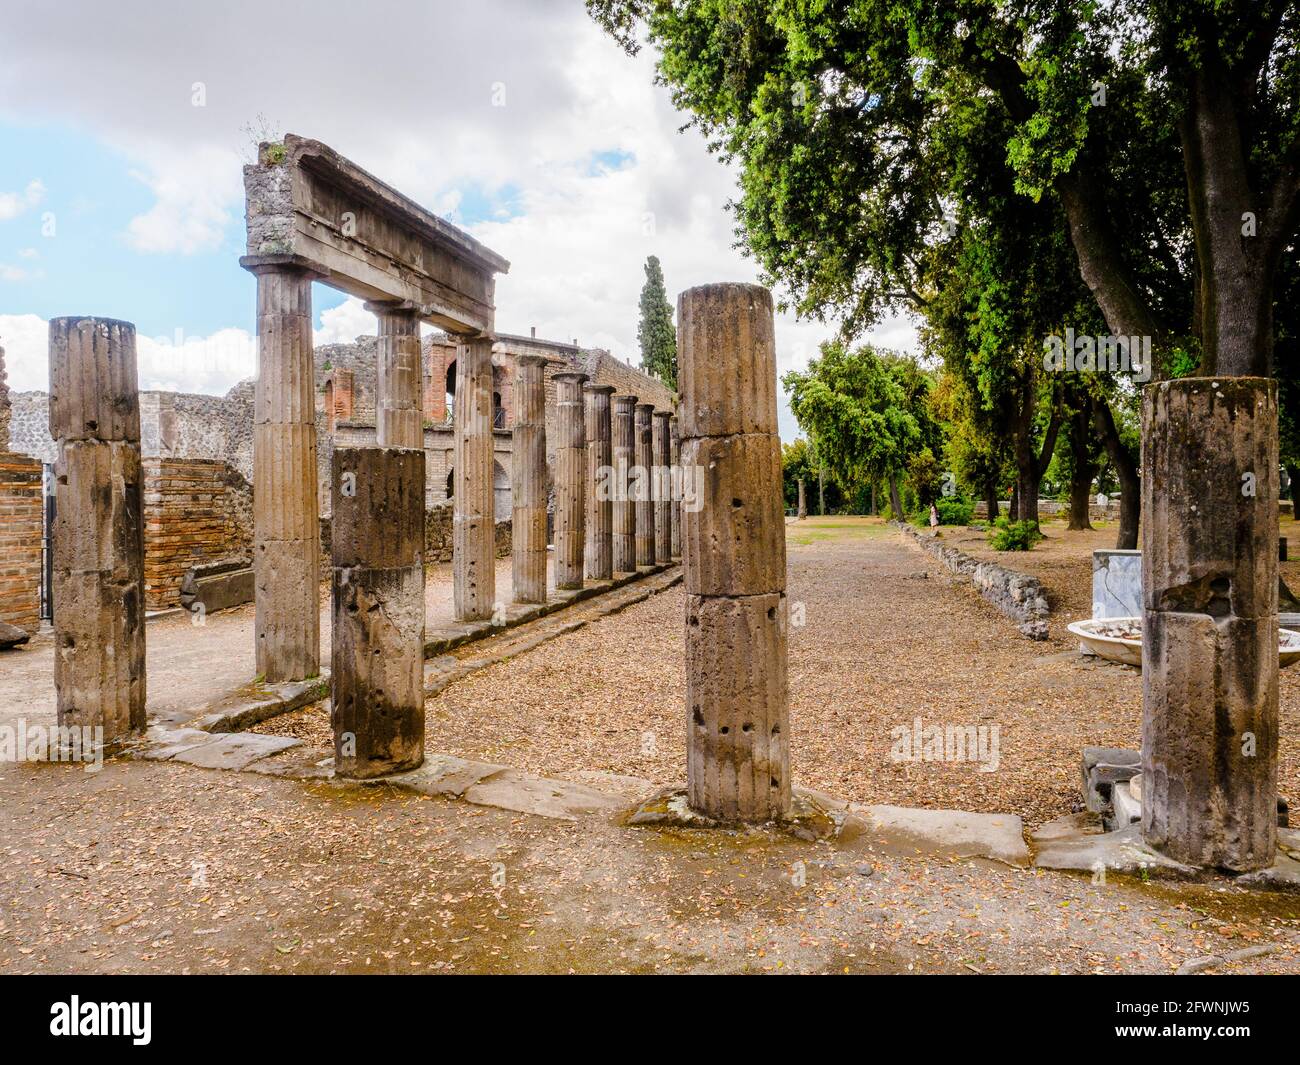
(1051, 508)
(1017, 595)
(22, 525)
(196, 511)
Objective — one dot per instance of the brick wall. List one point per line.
(195, 511)
(21, 528)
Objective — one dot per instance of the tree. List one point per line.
(1163, 134)
(857, 405)
(655, 331)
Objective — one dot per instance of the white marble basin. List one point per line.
(1120, 640)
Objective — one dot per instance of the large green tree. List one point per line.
(1163, 135)
(867, 411)
(655, 330)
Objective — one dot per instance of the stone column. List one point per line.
(474, 505)
(99, 641)
(641, 486)
(399, 417)
(802, 512)
(377, 643)
(676, 480)
(570, 475)
(528, 480)
(599, 550)
(624, 452)
(738, 762)
(286, 508)
(1210, 642)
(661, 479)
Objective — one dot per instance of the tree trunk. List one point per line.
(1130, 484)
(991, 498)
(821, 491)
(872, 512)
(1013, 507)
(895, 501)
(1084, 468)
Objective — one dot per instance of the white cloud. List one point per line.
(344, 323)
(12, 273)
(12, 204)
(177, 363)
(578, 232)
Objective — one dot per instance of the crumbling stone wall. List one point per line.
(1017, 595)
(21, 528)
(196, 511)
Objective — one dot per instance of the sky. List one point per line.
(124, 127)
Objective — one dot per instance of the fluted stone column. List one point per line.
(599, 551)
(642, 485)
(624, 452)
(570, 478)
(528, 480)
(662, 482)
(99, 639)
(377, 643)
(1209, 648)
(802, 512)
(677, 481)
(474, 504)
(399, 417)
(286, 509)
(738, 763)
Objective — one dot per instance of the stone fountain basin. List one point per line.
(1120, 640)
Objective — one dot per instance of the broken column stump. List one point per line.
(528, 481)
(473, 501)
(733, 545)
(377, 645)
(570, 479)
(599, 550)
(624, 452)
(1210, 640)
(642, 483)
(99, 641)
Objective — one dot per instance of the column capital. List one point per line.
(394, 308)
(604, 390)
(279, 264)
(570, 375)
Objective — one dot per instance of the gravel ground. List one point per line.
(889, 636)
(150, 868)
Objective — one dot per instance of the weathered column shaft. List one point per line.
(623, 449)
(399, 416)
(474, 509)
(528, 480)
(802, 511)
(642, 484)
(570, 478)
(599, 551)
(663, 461)
(738, 761)
(377, 643)
(99, 637)
(677, 480)
(286, 510)
(1210, 640)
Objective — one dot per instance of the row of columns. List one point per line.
(600, 528)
